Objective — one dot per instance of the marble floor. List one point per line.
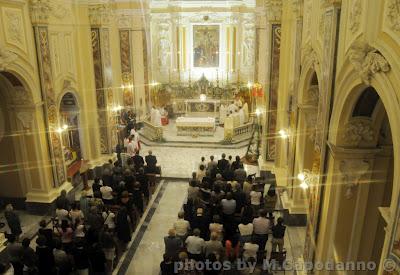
(150, 250)
(146, 250)
(180, 162)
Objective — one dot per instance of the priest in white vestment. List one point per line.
(241, 116)
(222, 114)
(246, 112)
(238, 102)
(131, 150)
(152, 114)
(157, 118)
(232, 108)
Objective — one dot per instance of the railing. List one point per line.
(152, 132)
(231, 133)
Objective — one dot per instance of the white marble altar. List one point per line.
(202, 107)
(195, 126)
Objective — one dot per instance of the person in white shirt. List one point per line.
(246, 231)
(250, 250)
(130, 150)
(241, 116)
(181, 226)
(195, 245)
(109, 219)
(62, 214)
(106, 194)
(216, 227)
(255, 199)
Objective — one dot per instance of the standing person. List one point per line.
(107, 194)
(278, 235)
(75, 213)
(28, 257)
(195, 245)
(130, 148)
(255, 199)
(15, 254)
(137, 198)
(181, 226)
(260, 229)
(122, 227)
(223, 164)
(46, 232)
(270, 199)
(211, 165)
(151, 163)
(13, 221)
(46, 264)
(81, 259)
(97, 260)
(138, 160)
(173, 244)
(63, 201)
(61, 259)
(66, 234)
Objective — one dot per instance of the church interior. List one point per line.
(199, 137)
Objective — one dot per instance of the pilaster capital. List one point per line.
(274, 10)
(40, 11)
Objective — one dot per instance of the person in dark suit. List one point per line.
(223, 163)
(151, 162)
(138, 161)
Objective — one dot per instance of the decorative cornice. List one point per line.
(40, 11)
(6, 58)
(274, 10)
(367, 61)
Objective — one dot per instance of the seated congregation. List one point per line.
(89, 235)
(228, 217)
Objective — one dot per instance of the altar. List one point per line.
(204, 108)
(195, 126)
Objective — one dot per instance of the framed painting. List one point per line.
(206, 46)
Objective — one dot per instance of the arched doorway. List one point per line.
(361, 178)
(19, 164)
(70, 129)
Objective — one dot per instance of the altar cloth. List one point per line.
(195, 126)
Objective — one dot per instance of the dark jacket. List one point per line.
(172, 246)
(222, 164)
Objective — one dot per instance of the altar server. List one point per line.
(222, 114)
(238, 102)
(232, 108)
(152, 114)
(246, 112)
(131, 147)
(157, 118)
(241, 116)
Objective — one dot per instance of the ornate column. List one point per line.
(125, 37)
(328, 27)
(100, 17)
(274, 15)
(40, 11)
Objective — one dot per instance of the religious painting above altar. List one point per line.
(206, 46)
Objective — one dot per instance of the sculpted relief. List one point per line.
(367, 61)
(249, 44)
(164, 46)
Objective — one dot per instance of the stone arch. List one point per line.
(355, 145)
(24, 143)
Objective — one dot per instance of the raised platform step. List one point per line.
(195, 144)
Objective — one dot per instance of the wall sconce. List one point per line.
(307, 178)
(203, 97)
(258, 112)
(283, 134)
(62, 129)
